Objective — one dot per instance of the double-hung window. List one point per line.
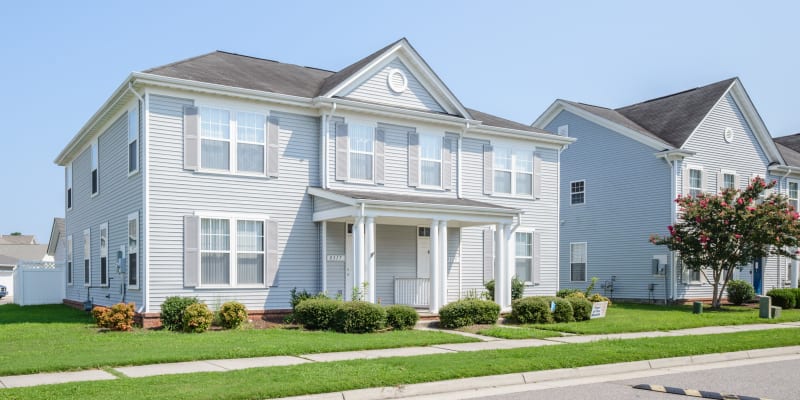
(104, 254)
(695, 182)
(215, 138)
(133, 140)
(133, 250)
(69, 260)
(362, 152)
(69, 186)
(251, 137)
(577, 192)
(231, 258)
(577, 262)
(523, 252)
(728, 181)
(794, 195)
(250, 252)
(95, 162)
(513, 171)
(430, 160)
(87, 258)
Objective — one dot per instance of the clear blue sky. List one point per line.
(62, 59)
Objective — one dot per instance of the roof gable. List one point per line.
(395, 84)
(789, 147)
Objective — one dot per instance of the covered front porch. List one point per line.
(407, 249)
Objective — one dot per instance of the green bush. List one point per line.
(172, 311)
(563, 293)
(317, 313)
(468, 312)
(784, 298)
(232, 315)
(297, 297)
(740, 292)
(531, 310)
(117, 318)
(563, 311)
(597, 297)
(517, 286)
(359, 317)
(581, 308)
(401, 317)
(797, 297)
(197, 318)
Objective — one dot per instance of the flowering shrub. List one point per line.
(117, 318)
(232, 315)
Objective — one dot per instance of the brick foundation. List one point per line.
(153, 320)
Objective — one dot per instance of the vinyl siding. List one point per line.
(119, 195)
(335, 241)
(175, 192)
(395, 257)
(628, 198)
(376, 90)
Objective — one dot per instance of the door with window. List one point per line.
(348, 263)
(423, 252)
(758, 271)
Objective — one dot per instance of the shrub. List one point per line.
(563, 293)
(401, 317)
(797, 296)
(232, 315)
(172, 311)
(359, 317)
(589, 288)
(784, 298)
(297, 297)
(740, 292)
(517, 286)
(581, 308)
(563, 311)
(197, 318)
(531, 310)
(597, 297)
(317, 313)
(117, 318)
(468, 312)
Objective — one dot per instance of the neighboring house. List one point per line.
(17, 239)
(57, 245)
(620, 179)
(789, 178)
(16, 248)
(230, 177)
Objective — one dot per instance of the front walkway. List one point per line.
(487, 343)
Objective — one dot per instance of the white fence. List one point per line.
(39, 282)
(412, 291)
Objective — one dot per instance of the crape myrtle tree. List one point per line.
(717, 233)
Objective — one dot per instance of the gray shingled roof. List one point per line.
(17, 239)
(789, 147)
(236, 70)
(407, 198)
(27, 252)
(615, 117)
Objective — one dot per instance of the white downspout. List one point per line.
(324, 256)
(673, 218)
(460, 161)
(145, 193)
(326, 143)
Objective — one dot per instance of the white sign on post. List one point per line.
(599, 309)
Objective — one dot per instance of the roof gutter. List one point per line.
(674, 154)
(391, 111)
(785, 169)
(449, 207)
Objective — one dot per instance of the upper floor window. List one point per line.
(69, 186)
(251, 141)
(695, 182)
(133, 140)
(577, 192)
(794, 195)
(361, 152)
(95, 162)
(215, 138)
(430, 161)
(513, 171)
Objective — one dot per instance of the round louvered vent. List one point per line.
(397, 80)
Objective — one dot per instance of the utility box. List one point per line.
(775, 312)
(764, 307)
(697, 307)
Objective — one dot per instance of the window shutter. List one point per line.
(704, 182)
(191, 250)
(488, 255)
(273, 147)
(447, 163)
(341, 152)
(271, 246)
(380, 140)
(736, 181)
(537, 259)
(720, 181)
(537, 176)
(413, 159)
(685, 179)
(191, 132)
(488, 181)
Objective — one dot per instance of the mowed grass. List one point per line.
(347, 375)
(59, 338)
(521, 332)
(628, 317)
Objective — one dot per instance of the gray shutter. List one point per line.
(271, 248)
(537, 259)
(685, 183)
(273, 147)
(537, 176)
(720, 181)
(413, 159)
(736, 181)
(704, 182)
(380, 140)
(191, 250)
(488, 173)
(488, 255)
(341, 152)
(191, 132)
(447, 163)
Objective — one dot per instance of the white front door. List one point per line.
(423, 252)
(348, 263)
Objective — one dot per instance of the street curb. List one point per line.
(494, 381)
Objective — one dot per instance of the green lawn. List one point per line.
(59, 338)
(627, 317)
(521, 332)
(336, 376)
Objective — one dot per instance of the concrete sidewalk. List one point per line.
(487, 343)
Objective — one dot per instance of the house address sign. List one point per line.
(336, 257)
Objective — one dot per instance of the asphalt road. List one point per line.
(777, 380)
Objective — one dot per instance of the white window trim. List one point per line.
(571, 193)
(563, 130)
(70, 193)
(440, 137)
(135, 138)
(104, 226)
(585, 259)
(514, 150)
(689, 187)
(134, 216)
(233, 162)
(788, 192)
(70, 261)
(724, 172)
(94, 166)
(373, 126)
(232, 245)
(530, 231)
(87, 256)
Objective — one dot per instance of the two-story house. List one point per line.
(230, 177)
(620, 179)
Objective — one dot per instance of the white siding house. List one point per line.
(229, 177)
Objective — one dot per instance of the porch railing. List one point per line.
(413, 292)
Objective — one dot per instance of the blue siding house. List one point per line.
(229, 177)
(620, 177)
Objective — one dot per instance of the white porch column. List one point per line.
(370, 260)
(509, 266)
(499, 263)
(324, 256)
(794, 272)
(443, 263)
(433, 299)
(358, 255)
